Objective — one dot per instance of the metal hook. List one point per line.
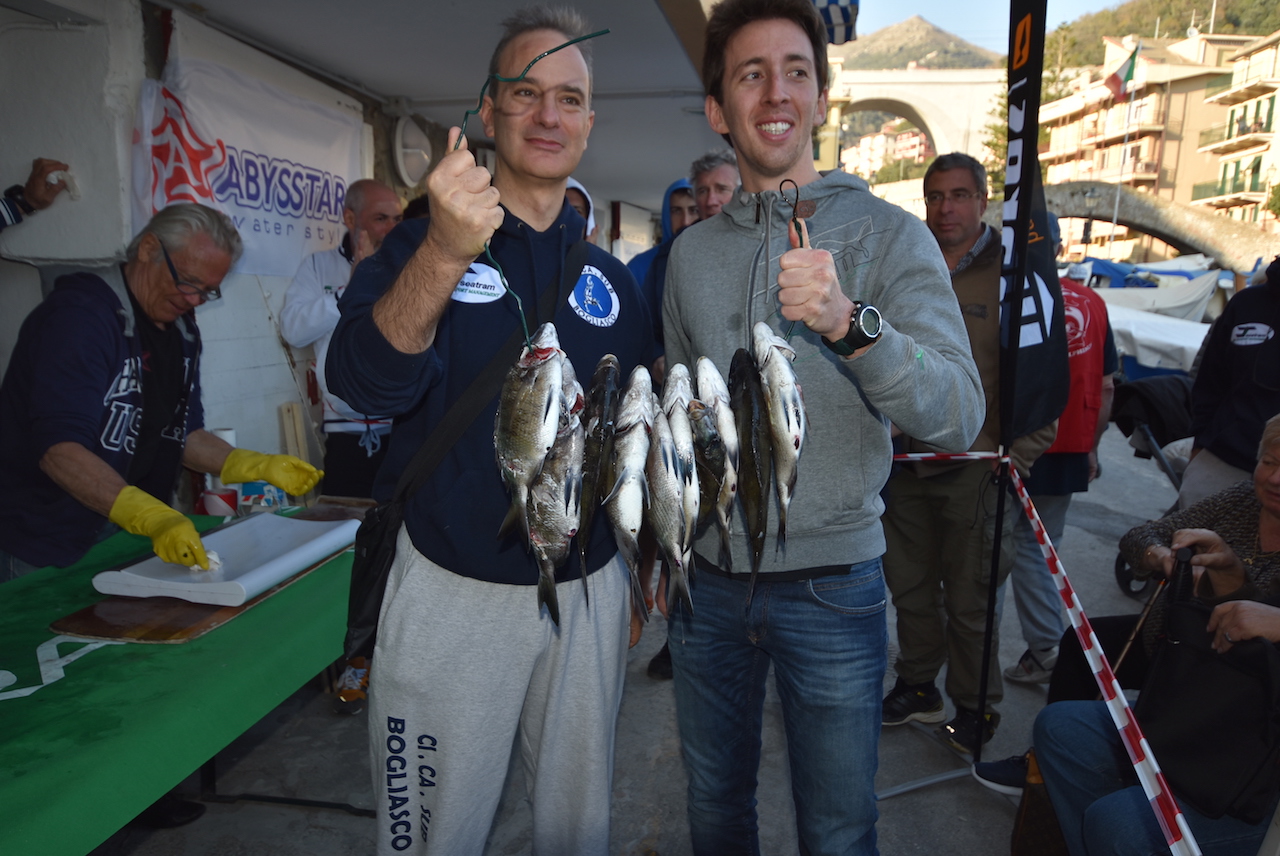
(795, 205)
(795, 223)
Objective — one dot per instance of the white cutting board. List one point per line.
(257, 553)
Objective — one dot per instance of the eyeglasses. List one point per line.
(957, 197)
(205, 294)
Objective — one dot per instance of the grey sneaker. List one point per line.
(1033, 667)
(905, 702)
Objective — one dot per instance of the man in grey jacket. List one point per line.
(818, 611)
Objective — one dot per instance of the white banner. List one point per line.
(277, 164)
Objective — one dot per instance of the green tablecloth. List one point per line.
(82, 755)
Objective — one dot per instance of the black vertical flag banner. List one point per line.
(1033, 338)
(1033, 357)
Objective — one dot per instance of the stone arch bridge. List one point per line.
(951, 106)
(1187, 228)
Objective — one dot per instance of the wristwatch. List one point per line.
(864, 328)
(18, 195)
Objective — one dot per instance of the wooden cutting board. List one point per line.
(163, 620)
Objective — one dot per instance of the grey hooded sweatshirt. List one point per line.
(723, 278)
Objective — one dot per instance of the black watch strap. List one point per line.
(19, 196)
(856, 337)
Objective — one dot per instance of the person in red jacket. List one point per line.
(1065, 469)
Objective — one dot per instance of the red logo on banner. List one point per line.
(181, 162)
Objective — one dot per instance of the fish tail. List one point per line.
(726, 547)
(638, 602)
(687, 558)
(515, 517)
(782, 526)
(547, 597)
(678, 591)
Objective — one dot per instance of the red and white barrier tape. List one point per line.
(1176, 832)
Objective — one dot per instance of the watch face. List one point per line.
(869, 321)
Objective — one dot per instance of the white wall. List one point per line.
(72, 94)
(69, 94)
(245, 372)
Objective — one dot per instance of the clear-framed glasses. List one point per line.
(957, 197)
(205, 294)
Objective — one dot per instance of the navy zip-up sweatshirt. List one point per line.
(76, 375)
(454, 519)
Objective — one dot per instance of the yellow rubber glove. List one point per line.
(292, 475)
(172, 535)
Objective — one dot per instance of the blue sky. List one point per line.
(984, 24)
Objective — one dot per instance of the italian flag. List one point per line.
(1118, 82)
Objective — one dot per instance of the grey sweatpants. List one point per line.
(462, 665)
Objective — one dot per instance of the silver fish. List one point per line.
(628, 490)
(787, 420)
(598, 418)
(713, 393)
(665, 513)
(528, 420)
(555, 502)
(677, 394)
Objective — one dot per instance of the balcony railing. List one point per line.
(1221, 83)
(1238, 184)
(1213, 134)
(1239, 90)
(1114, 125)
(1241, 129)
(1130, 171)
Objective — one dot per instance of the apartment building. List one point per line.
(1243, 146)
(873, 151)
(1151, 140)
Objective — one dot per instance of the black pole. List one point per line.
(1022, 179)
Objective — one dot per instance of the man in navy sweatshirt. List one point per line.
(466, 659)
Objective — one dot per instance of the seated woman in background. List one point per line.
(1235, 532)
(1236, 538)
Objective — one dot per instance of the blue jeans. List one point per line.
(1095, 792)
(1040, 610)
(827, 641)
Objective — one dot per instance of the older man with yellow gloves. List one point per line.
(100, 406)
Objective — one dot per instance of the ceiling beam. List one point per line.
(51, 12)
(688, 20)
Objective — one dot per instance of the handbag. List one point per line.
(1212, 720)
(375, 547)
(1035, 828)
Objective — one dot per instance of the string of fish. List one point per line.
(524, 323)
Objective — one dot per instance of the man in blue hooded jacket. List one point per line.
(678, 211)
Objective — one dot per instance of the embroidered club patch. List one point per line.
(594, 299)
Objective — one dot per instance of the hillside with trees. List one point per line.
(913, 40)
(1173, 17)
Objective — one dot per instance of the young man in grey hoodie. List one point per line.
(818, 611)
